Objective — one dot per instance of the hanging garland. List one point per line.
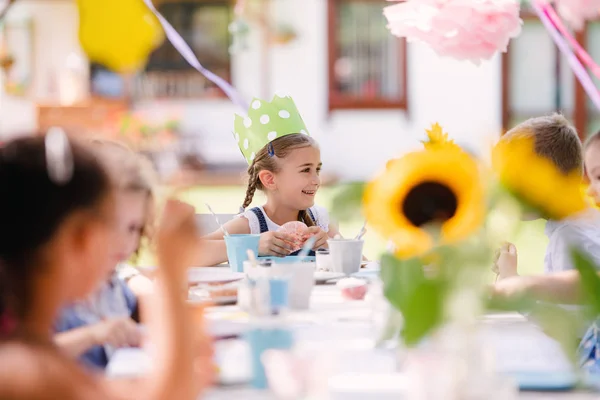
(476, 30)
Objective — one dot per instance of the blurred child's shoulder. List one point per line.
(584, 225)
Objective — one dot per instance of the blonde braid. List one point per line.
(304, 216)
(252, 182)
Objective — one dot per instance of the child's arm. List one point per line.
(172, 331)
(213, 249)
(561, 287)
(117, 332)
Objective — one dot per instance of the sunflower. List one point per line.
(536, 181)
(437, 138)
(425, 193)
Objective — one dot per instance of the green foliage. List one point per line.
(348, 201)
(590, 282)
(419, 299)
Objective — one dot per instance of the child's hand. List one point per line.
(321, 237)
(506, 263)
(278, 244)
(178, 239)
(510, 287)
(117, 332)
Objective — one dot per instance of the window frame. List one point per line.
(580, 112)
(339, 101)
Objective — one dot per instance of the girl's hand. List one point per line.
(321, 237)
(117, 332)
(276, 244)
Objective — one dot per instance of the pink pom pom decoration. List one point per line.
(576, 12)
(471, 30)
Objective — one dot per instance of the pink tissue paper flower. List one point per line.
(471, 30)
(576, 12)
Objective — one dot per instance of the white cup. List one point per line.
(302, 281)
(323, 260)
(346, 255)
(256, 272)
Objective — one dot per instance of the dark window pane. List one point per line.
(204, 26)
(368, 58)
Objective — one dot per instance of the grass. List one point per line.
(531, 241)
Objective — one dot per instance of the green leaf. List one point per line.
(590, 281)
(419, 299)
(348, 201)
(423, 311)
(400, 278)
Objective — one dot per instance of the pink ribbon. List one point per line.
(578, 69)
(581, 53)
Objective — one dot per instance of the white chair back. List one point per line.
(207, 224)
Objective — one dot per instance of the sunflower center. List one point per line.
(429, 202)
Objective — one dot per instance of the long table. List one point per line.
(330, 318)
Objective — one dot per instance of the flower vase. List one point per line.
(456, 364)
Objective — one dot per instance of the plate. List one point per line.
(324, 276)
(224, 329)
(367, 274)
(287, 260)
(218, 301)
(213, 275)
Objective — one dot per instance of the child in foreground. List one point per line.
(93, 328)
(54, 254)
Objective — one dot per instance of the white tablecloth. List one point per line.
(329, 317)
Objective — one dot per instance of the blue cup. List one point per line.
(261, 340)
(237, 249)
(279, 293)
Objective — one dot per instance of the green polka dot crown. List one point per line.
(265, 122)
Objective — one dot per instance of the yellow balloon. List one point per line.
(119, 34)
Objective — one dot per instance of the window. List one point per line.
(593, 47)
(539, 82)
(367, 64)
(203, 24)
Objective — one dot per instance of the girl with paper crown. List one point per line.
(284, 162)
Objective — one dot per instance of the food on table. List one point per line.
(299, 232)
(353, 288)
(214, 292)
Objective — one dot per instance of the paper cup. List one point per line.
(301, 282)
(346, 255)
(237, 249)
(260, 340)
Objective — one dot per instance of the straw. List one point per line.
(308, 245)
(362, 231)
(252, 258)
(217, 219)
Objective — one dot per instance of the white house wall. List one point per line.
(464, 98)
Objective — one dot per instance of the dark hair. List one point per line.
(32, 208)
(281, 147)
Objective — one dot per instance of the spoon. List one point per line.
(217, 219)
(362, 231)
(308, 245)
